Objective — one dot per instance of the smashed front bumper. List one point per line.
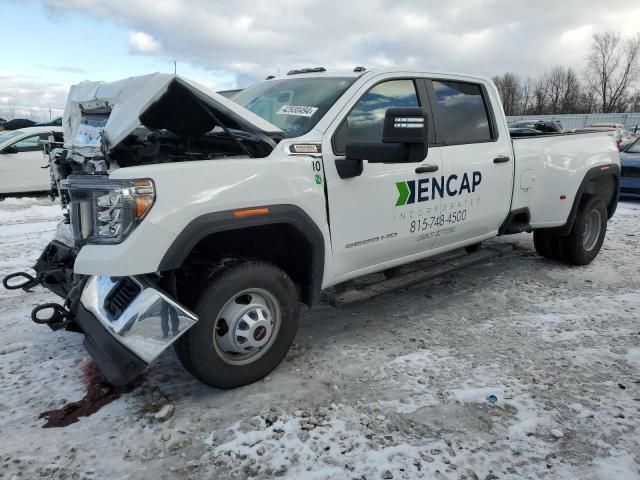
(128, 323)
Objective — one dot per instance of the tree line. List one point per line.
(610, 82)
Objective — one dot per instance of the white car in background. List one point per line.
(22, 158)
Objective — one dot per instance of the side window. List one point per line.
(461, 112)
(366, 121)
(29, 144)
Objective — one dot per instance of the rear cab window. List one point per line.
(462, 113)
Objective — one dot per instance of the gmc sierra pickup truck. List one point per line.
(203, 222)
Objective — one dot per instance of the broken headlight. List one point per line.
(106, 211)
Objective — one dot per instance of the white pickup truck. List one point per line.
(204, 222)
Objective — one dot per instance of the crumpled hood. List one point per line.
(99, 115)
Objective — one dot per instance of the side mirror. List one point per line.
(9, 149)
(404, 139)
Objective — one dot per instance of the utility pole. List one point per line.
(49, 113)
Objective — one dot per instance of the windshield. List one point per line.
(7, 135)
(634, 147)
(294, 105)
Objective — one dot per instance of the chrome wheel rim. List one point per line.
(591, 232)
(246, 326)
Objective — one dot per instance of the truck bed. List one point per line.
(549, 169)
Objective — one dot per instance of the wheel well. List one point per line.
(281, 244)
(605, 187)
(601, 181)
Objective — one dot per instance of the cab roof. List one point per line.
(370, 72)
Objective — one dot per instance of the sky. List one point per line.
(49, 45)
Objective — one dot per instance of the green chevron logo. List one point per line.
(403, 193)
(432, 188)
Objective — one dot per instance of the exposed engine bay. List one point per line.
(153, 119)
(146, 147)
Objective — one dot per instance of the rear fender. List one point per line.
(604, 181)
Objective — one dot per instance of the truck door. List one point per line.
(477, 163)
(375, 217)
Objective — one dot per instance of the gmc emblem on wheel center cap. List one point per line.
(259, 333)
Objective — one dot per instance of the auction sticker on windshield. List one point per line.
(299, 110)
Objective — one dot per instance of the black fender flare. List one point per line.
(224, 221)
(612, 170)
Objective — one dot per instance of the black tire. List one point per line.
(542, 242)
(473, 248)
(549, 246)
(196, 350)
(557, 248)
(577, 248)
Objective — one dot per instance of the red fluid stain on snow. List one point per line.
(99, 393)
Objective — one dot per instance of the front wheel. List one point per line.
(248, 318)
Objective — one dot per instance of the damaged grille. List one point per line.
(121, 296)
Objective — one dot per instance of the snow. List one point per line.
(398, 386)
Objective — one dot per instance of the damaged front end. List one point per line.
(128, 321)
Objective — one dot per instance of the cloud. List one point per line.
(63, 68)
(255, 39)
(22, 96)
(142, 43)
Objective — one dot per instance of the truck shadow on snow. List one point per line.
(325, 325)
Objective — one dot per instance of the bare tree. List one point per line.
(571, 93)
(538, 106)
(633, 103)
(553, 89)
(612, 67)
(510, 89)
(561, 89)
(526, 96)
(587, 101)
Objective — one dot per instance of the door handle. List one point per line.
(427, 169)
(501, 159)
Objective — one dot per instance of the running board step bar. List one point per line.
(433, 271)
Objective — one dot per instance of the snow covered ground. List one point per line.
(397, 388)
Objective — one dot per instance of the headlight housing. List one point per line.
(106, 211)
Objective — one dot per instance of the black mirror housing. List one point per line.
(377, 152)
(405, 125)
(404, 139)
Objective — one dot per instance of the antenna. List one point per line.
(175, 67)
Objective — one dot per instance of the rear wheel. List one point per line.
(248, 317)
(542, 243)
(583, 244)
(558, 248)
(585, 239)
